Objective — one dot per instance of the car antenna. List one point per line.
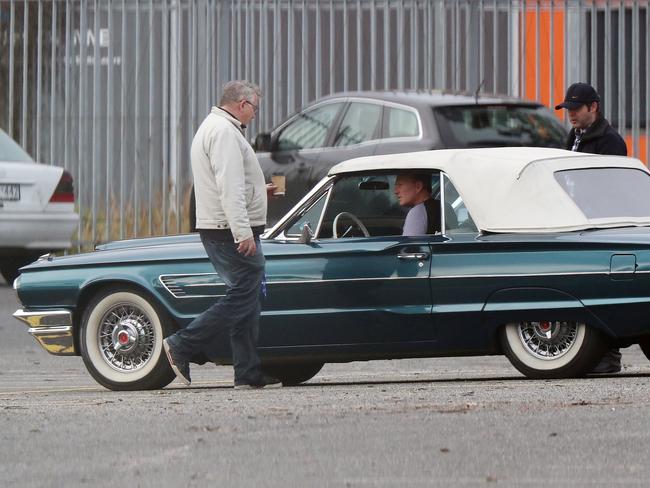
(478, 90)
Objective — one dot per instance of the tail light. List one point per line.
(64, 192)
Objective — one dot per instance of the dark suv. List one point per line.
(354, 124)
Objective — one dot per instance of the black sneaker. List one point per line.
(262, 382)
(181, 367)
(611, 363)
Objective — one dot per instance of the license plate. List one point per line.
(9, 192)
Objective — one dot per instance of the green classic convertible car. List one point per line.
(542, 255)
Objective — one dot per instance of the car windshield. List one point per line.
(11, 151)
(498, 125)
(608, 192)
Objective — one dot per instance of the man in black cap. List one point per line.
(591, 133)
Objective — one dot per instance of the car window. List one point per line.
(457, 218)
(311, 217)
(400, 123)
(371, 199)
(309, 129)
(597, 191)
(11, 151)
(498, 125)
(361, 123)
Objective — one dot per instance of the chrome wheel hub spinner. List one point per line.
(548, 340)
(126, 338)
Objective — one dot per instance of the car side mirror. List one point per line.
(263, 142)
(306, 234)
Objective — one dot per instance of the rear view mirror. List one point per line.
(262, 142)
(374, 184)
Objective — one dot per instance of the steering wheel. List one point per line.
(354, 219)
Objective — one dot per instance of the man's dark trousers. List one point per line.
(238, 310)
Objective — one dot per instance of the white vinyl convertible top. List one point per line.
(509, 189)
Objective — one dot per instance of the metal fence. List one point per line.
(114, 89)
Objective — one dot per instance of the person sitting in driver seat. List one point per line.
(413, 189)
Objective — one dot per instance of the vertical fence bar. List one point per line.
(136, 120)
(110, 123)
(387, 45)
(179, 119)
(332, 47)
(566, 50)
(373, 45)
(607, 103)
(291, 53)
(151, 104)
(621, 126)
(428, 52)
(39, 79)
(400, 45)
(647, 85)
(415, 79)
(52, 84)
(247, 44)
(457, 45)
(83, 110)
(66, 100)
(442, 47)
(469, 46)
(522, 50)
(345, 47)
(495, 47)
(123, 121)
(233, 39)
(304, 68)
(359, 40)
(481, 47)
(537, 49)
(12, 43)
(551, 65)
(277, 56)
(509, 64)
(95, 126)
(635, 72)
(593, 75)
(262, 57)
(166, 88)
(23, 129)
(319, 52)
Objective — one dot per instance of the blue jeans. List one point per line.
(239, 310)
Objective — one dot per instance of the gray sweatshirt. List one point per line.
(228, 180)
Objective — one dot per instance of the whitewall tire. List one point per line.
(552, 349)
(121, 340)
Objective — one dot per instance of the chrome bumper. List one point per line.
(51, 328)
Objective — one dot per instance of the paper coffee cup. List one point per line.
(279, 181)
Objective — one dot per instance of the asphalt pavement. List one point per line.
(434, 422)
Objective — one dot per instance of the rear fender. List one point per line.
(536, 304)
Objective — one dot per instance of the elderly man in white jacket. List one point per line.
(231, 201)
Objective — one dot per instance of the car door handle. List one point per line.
(413, 255)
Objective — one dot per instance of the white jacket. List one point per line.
(228, 180)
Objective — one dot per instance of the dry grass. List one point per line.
(111, 226)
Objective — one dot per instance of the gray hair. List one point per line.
(237, 90)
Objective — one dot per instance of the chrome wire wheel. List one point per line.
(548, 340)
(126, 337)
(544, 349)
(121, 340)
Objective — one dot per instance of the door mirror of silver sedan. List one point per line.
(306, 234)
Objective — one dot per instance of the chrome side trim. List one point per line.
(508, 275)
(284, 282)
(51, 328)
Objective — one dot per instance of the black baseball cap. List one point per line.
(577, 95)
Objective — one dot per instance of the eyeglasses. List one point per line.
(255, 107)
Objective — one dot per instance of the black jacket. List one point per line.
(600, 138)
